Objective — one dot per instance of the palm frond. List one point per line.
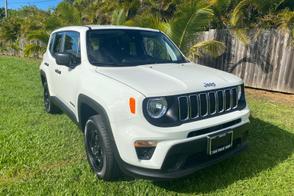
(68, 14)
(242, 35)
(190, 19)
(119, 17)
(220, 5)
(238, 12)
(213, 48)
(285, 20)
(38, 35)
(34, 50)
(150, 22)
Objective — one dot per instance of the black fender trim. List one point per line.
(43, 74)
(83, 99)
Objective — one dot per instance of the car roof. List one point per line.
(97, 27)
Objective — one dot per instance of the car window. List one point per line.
(72, 45)
(120, 47)
(57, 45)
(157, 48)
(51, 43)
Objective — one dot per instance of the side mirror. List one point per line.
(63, 59)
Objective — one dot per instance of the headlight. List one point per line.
(156, 107)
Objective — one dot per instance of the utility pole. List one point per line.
(6, 9)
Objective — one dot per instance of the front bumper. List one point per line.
(126, 133)
(185, 158)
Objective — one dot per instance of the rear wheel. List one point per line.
(98, 149)
(48, 104)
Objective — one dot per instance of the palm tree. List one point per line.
(68, 14)
(38, 40)
(10, 31)
(27, 29)
(191, 18)
(164, 9)
(254, 14)
(119, 16)
(285, 22)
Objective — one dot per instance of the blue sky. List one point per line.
(42, 4)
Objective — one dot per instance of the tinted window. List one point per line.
(72, 46)
(57, 45)
(72, 43)
(157, 48)
(121, 47)
(51, 43)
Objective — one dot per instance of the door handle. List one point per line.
(57, 71)
(47, 64)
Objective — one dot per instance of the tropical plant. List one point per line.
(26, 31)
(254, 14)
(221, 10)
(68, 14)
(38, 40)
(191, 18)
(119, 17)
(285, 22)
(212, 47)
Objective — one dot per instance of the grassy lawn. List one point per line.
(41, 153)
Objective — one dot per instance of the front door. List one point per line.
(69, 75)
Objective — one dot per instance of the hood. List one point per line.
(170, 79)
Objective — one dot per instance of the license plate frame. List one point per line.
(219, 142)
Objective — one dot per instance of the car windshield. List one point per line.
(123, 47)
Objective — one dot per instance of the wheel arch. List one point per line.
(88, 107)
(96, 108)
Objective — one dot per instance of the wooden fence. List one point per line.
(267, 63)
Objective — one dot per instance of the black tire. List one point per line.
(99, 149)
(48, 104)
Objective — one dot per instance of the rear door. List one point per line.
(56, 45)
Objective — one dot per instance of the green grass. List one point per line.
(41, 153)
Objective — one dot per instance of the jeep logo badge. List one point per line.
(209, 84)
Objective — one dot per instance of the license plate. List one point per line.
(219, 142)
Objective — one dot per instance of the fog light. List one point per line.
(145, 149)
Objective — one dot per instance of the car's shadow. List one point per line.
(269, 145)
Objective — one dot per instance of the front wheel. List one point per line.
(99, 152)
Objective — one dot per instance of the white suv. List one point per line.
(143, 107)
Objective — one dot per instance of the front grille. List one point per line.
(207, 104)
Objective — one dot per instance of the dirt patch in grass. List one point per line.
(271, 96)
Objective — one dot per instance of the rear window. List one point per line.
(57, 44)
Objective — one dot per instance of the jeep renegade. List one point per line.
(143, 107)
